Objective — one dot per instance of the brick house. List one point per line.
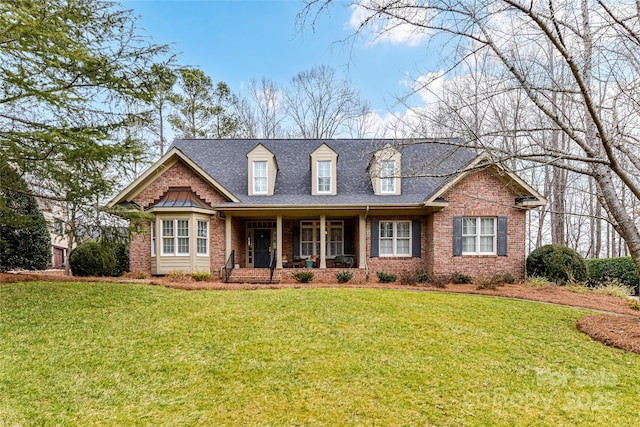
(369, 205)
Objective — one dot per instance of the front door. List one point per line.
(262, 248)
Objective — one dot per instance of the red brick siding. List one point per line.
(178, 175)
(478, 194)
(396, 265)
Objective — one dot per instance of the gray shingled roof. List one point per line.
(225, 160)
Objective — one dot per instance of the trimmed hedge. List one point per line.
(557, 263)
(622, 268)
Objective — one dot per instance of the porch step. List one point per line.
(254, 275)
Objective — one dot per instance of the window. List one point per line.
(387, 176)
(310, 238)
(58, 227)
(203, 238)
(324, 176)
(260, 177)
(478, 235)
(175, 237)
(153, 239)
(395, 238)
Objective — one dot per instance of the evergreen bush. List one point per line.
(92, 259)
(386, 277)
(603, 269)
(557, 263)
(24, 236)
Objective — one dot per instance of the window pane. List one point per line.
(387, 168)
(487, 226)
(183, 228)
(167, 246)
(486, 244)
(386, 229)
(469, 244)
(402, 247)
(307, 249)
(203, 229)
(386, 247)
(402, 229)
(307, 234)
(167, 228)
(259, 177)
(469, 226)
(324, 176)
(183, 245)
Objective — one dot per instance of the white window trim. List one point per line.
(329, 191)
(265, 177)
(479, 234)
(384, 177)
(176, 237)
(199, 238)
(395, 239)
(153, 238)
(315, 226)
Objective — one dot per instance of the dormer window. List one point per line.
(260, 179)
(261, 171)
(324, 176)
(324, 173)
(385, 170)
(387, 176)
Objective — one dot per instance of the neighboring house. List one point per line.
(390, 205)
(55, 214)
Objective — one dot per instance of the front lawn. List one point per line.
(116, 354)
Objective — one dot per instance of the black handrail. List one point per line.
(228, 267)
(272, 265)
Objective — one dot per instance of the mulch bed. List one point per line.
(621, 330)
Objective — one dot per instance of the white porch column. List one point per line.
(362, 242)
(323, 241)
(279, 241)
(227, 237)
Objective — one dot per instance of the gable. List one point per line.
(173, 169)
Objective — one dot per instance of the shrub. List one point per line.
(614, 288)
(92, 259)
(557, 263)
(536, 281)
(507, 278)
(178, 276)
(408, 278)
(343, 276)
(634, 305)
(201, 276)
(491, 283)
(622, 269)
(303, 276)
(386, 277)
(120, 250)
(440, 281)
(422, 275)
(460, 278)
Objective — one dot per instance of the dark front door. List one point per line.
(261, 247)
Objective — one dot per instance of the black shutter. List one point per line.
(375, 234)
(296, 241)
(502, 236)
(416, 239)
(457, 236)
(348, 240)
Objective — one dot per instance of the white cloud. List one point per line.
(392, 27)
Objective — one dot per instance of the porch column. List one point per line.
(227, 237)
(279, 241)
(362, 242)
(323, 241)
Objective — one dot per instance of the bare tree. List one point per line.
(595, 45)
(320, 104)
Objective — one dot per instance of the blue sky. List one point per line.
(235, 41)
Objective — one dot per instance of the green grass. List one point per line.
(111, 354)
